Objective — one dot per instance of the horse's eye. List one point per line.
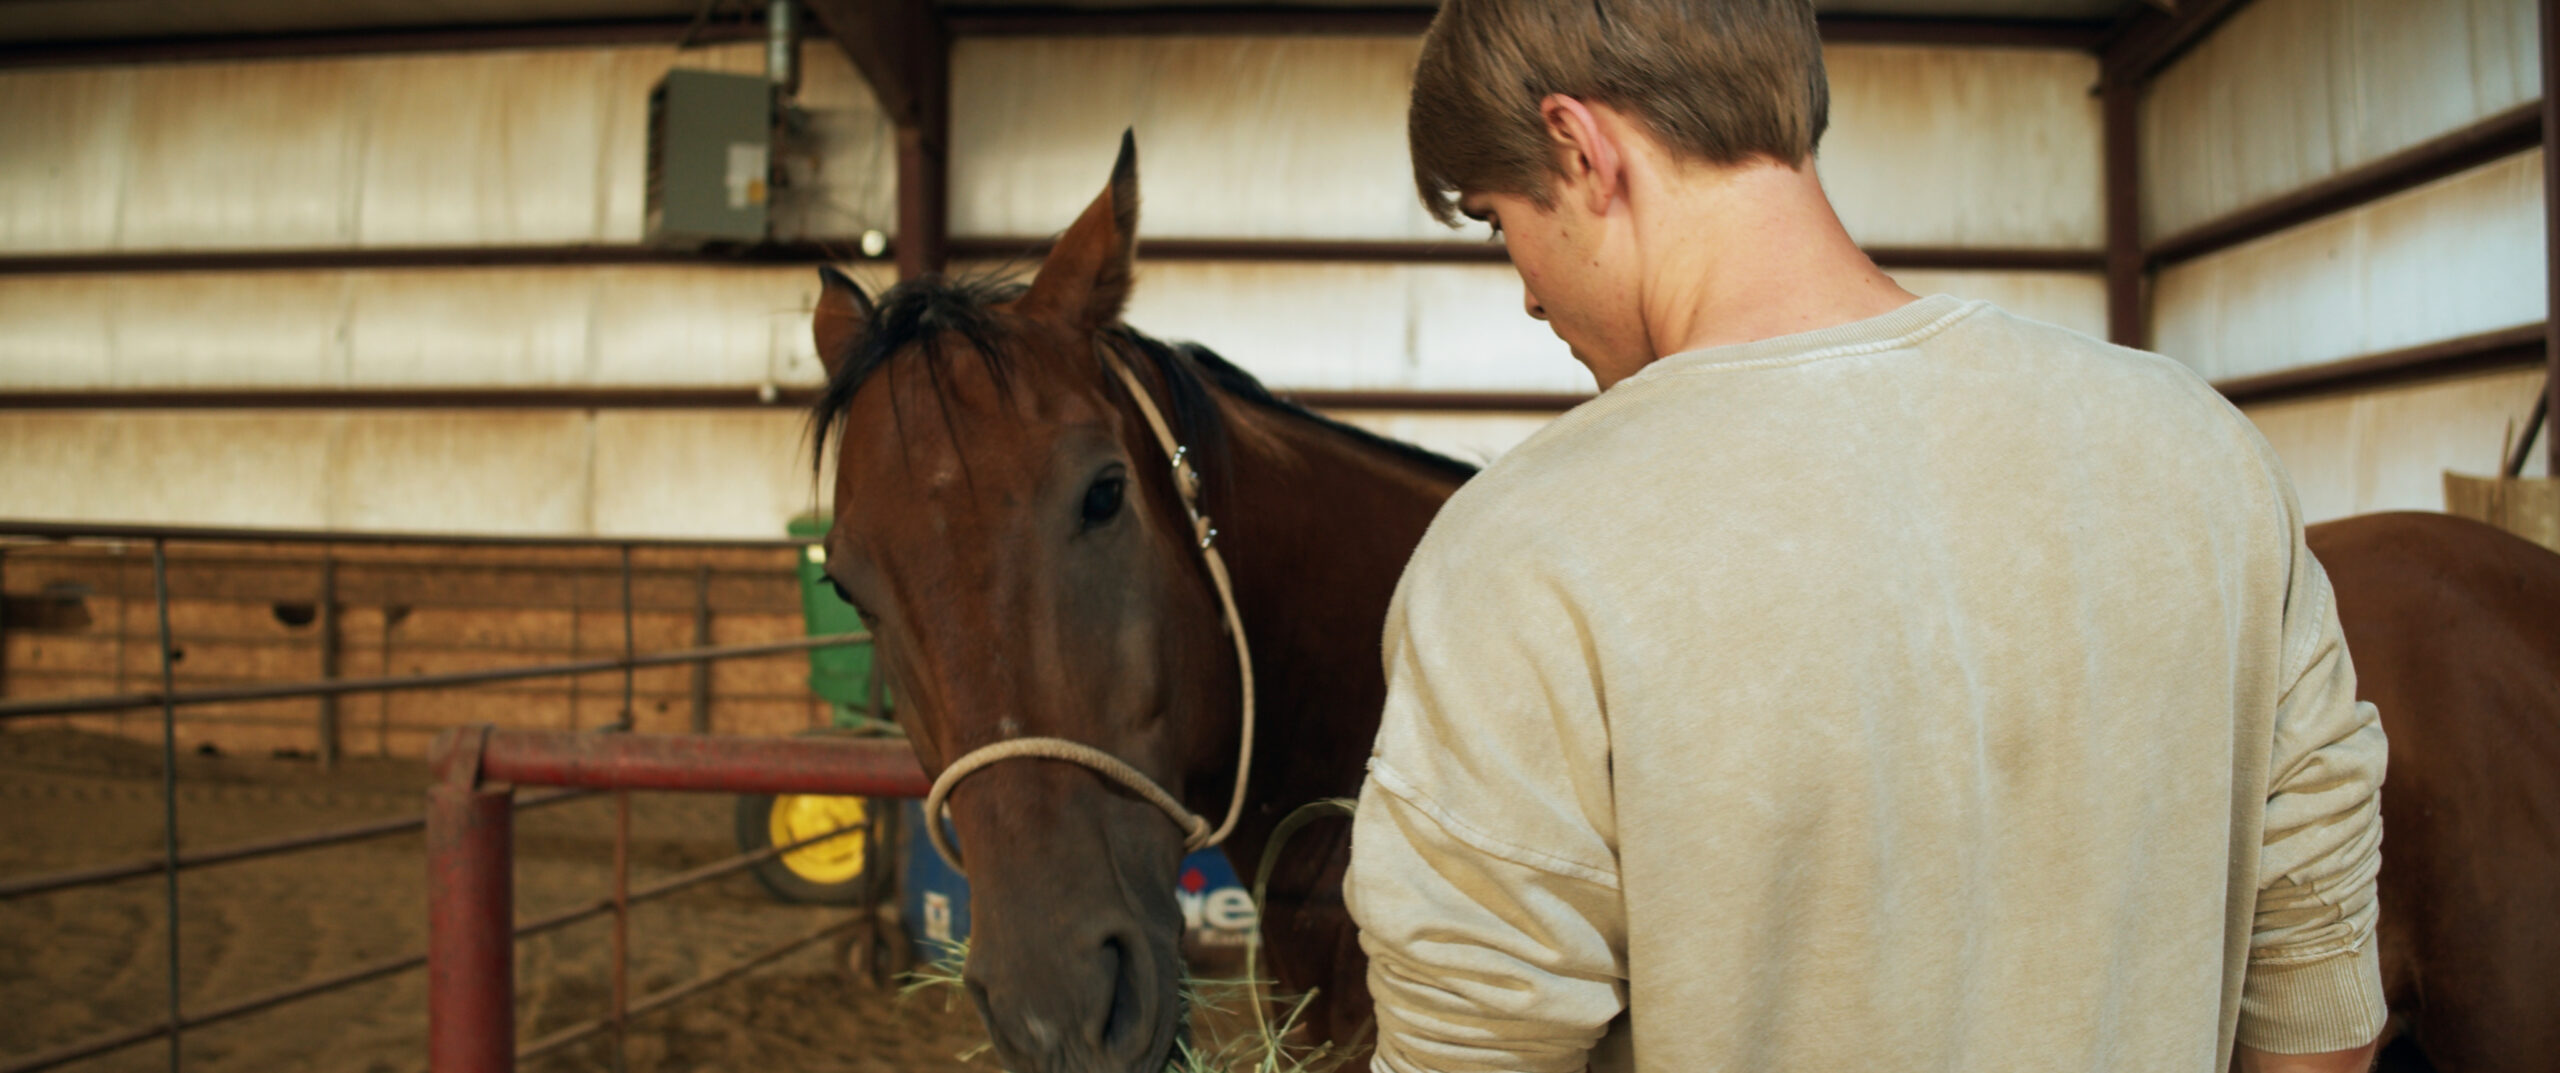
(1102, 500)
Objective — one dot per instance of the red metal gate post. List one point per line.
(471, 1006)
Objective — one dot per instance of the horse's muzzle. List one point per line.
(1104, 1000)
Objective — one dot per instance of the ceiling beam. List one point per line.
(903, 50)
(900, 46)
(2500, 135)
(2077, 35)
(1257, 20)
(2149, 39)
(386, 41)
(2506, 348)
(1247, 20)
(395, 257)
(1024, 249)
(1406, 20)
(742, 397)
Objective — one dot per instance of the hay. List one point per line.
(1265, 1049)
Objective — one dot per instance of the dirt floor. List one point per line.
(78, 963)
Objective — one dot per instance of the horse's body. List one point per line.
(2455, 631)
(982, 476)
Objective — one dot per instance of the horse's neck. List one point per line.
(1318, 526)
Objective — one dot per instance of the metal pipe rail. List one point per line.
(374, 970)
(471, 1015)
(544, 759)
(89, 877)
(342, 686)
(44, 530)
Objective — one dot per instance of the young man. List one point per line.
(1862, 681)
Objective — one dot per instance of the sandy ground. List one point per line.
(78, 963)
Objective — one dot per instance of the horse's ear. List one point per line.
(1085, 281)
(842, 315)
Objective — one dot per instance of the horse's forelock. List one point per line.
(919, 314)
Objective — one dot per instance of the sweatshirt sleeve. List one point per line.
(1483, 867)
(2314, 978)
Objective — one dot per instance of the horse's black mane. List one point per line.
(923, 313)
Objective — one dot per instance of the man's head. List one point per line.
(1718, 81)
(1543, 116)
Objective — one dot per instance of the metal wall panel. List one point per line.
(532, 147)
(1304, 138)
(2388, 449)
(62, 156)
(638, 473)
(2288, 92)
(647, 325)
(242, 468)
(2074, 300)
(1455, 327)
(1359, 326)
(1477, 438)
(2458, 256)
(449, 470)
(725, 473)
(1262, 137)
(1964, 147)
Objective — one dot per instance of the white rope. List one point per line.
(1197, 835)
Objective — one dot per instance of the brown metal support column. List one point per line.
(2551, 227)
(330, 657)
(701, 723)
(169, 791)
(924, 178)
(4, 622)
(903, 49)
(2121, 106)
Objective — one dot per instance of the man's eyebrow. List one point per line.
(1473, 213)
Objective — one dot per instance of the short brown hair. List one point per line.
(1721, 80)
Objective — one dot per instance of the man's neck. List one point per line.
(1744, 253)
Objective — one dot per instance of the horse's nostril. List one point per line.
(1120, 1024)
(978, 995)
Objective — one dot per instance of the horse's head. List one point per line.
(1010, 531)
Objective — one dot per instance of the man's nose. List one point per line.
(1529, 299)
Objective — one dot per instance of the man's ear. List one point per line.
(843, 314)
(1594, 168)
(1085, 281)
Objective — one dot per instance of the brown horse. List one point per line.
(2455, 631)
(1008, 525)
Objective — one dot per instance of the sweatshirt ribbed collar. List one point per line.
(1900, 328)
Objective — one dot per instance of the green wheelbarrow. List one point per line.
(854, 868)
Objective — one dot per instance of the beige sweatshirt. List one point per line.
(1944, 691)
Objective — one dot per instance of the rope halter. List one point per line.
(1196, 832)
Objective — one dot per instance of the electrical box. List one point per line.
(710, 159)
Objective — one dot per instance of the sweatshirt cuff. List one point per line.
(2309, 1008)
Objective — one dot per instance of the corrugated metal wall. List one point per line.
(707, 473)
(1303, 138)
(2388, 449)
(1296, 137)
(2459, 256)
(2291, 92)
(653, 325)
(540, 147)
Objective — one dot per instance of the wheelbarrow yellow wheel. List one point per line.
(841, 870)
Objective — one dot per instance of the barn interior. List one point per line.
(357, 311)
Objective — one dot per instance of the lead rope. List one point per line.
(1197, 834)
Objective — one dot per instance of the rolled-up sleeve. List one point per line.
(1483, 870)
(2314, 979)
